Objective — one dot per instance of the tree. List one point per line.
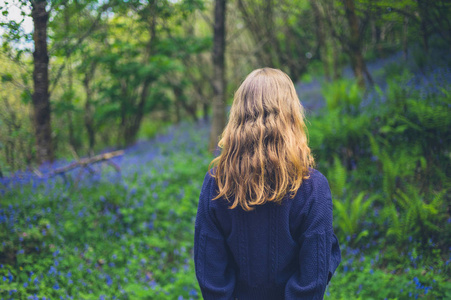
(355, 43)
(321, 36)
(41, 96)
(350, 37)
(219, 100)
(42, 112)
(282, 34)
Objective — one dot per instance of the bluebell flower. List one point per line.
(152, 284)
(109, 281)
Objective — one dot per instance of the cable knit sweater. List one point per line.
(286, 251)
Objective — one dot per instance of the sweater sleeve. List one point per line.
(213, 263)
(319, 253)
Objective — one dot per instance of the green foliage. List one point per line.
(350, 215)
(363, 280)
(132, 237)
(337, 178)
(390, 169)
(150, 128)
(394, 153)
(337, 133)
(411, 215)
(342, 94)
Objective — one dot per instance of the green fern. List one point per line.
(351, 213)
(414, 215)
(337, 178)
(389, 168)
(342, 94)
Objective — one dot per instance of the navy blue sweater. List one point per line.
(276, 251)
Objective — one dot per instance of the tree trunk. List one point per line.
(423, 11)
(357, 62)
(355, 46)
(219, 114)
(321, 36)
(405, 37)
(89, 113)
(133, 123)
(205, 108)
(72, 141)
(336, 68)
(132, 127)
(41, 101)
(180, 101)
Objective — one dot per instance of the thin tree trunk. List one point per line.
(134, 123)
(178, 117)
(321, 36)
(41, 102)
(423, 12)
(89, 114)
(335, 60)
(70, 124)
(9, 149)
(219, 114)
(357, 62)
(205, 108)
(405, 37)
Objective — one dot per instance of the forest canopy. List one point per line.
(81, 75)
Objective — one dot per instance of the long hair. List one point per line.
(264, 154)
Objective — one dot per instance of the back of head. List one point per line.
(264, 153)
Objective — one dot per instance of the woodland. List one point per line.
(110, 112)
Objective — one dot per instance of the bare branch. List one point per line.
(85, 163)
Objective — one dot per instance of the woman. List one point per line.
(264, 221)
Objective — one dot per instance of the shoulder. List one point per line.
(208, 185)
(316, 182)
(312, 202)
(315, 191)
(209, 179)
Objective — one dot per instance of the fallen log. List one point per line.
(86, 162)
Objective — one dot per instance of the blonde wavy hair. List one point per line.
(264, 153)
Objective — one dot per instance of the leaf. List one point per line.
(25, 96)
(7, 77)
(361, 235)
(385, 129)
